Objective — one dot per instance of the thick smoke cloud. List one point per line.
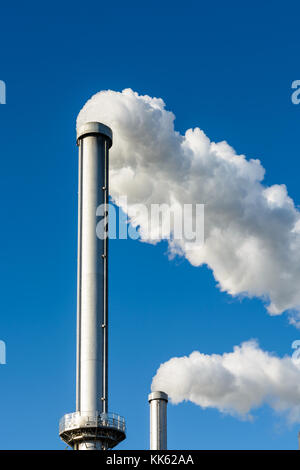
(235, 382)
(252, 232)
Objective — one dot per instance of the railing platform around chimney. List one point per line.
(78, 427)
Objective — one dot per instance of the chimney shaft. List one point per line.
(94, 140)
(158, 420)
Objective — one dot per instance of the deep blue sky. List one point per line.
(224, 66)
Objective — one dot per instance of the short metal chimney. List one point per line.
(158, 420)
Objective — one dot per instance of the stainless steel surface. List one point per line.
(89, 445)
(158, 420)
(91, 427)
(92, 362)
(95, 128)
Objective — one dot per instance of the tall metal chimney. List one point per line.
(91, 427)
(158, 420)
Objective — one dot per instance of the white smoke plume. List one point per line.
(252, 232)
(235, 382)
